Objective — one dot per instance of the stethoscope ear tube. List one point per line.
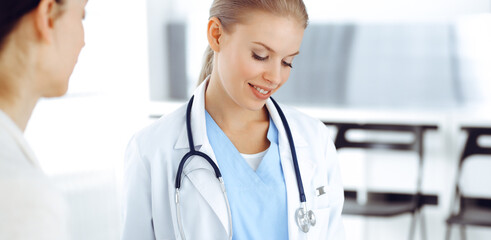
(305, 218)
(178, 211)
(178, 214)
(218, 174)
(301, 192)
(188, 124)
(192, 151)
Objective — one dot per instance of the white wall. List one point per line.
(398, 10)
(475, 53)
(195, 12)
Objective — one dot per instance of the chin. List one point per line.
(256, 106)
(56, 92)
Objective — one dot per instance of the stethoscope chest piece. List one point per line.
(305, 219)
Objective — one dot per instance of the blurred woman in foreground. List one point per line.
(40, 41)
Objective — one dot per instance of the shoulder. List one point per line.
(321, 149)
(305, 124)
(164, 130)
(313, 133)
(158, 138)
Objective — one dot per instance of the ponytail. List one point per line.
(207, 65)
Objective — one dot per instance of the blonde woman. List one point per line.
(232, 163)
(40, 41)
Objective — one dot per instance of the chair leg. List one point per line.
(448, 232)
(462, 232)
(423, 225)
(413, 226)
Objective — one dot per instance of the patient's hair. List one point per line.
(231, 12)
(11, 11)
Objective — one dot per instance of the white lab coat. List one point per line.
(153, 156)
(31, 208)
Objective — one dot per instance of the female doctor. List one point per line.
(232, 129)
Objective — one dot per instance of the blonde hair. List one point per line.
(231, 12)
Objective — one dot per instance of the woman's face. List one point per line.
(68, 41)
(255, 58)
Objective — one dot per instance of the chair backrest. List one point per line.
(415, 145)
(471, 148)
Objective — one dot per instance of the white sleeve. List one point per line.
(137, 202)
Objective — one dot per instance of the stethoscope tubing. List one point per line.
(292, 149)
(218, 174)
(193, 152)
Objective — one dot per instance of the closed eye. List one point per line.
(287, 64)
(257, 57)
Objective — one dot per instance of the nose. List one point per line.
(273, 73)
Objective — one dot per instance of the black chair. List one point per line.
(469, 210)
(387, 204)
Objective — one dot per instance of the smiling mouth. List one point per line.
(260, 90)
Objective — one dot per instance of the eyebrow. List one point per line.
(273, 51)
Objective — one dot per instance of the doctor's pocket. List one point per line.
(321, 228)
(327, 200)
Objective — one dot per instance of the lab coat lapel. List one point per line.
(198, 121)
(208, 188)
(7, 124)
(307, 167)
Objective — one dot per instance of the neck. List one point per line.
(18, 62)
(226, 112)
(16, 98)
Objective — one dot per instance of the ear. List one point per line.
(44, 17)
(214, 33)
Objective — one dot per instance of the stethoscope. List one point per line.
(305, 218)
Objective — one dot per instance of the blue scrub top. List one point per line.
(257, 198)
